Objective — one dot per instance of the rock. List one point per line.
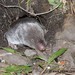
(14, 58)
(66, 39)
(29, 52)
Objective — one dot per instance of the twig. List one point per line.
(15, 6)
(47, 11)
(33, 14)
(44, 70)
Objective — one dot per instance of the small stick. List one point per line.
(33, 14)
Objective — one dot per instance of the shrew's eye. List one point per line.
(32, 40)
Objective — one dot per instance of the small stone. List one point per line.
(29, 52)
(48, 67)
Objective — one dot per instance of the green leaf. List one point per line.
(25, 68)
(40, 57)
(51, 2)
(11, 68)
(18, 68)
(7, 74)
(54, 3)
(8, 49)
(56, 54)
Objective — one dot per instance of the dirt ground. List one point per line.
(60, 32)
